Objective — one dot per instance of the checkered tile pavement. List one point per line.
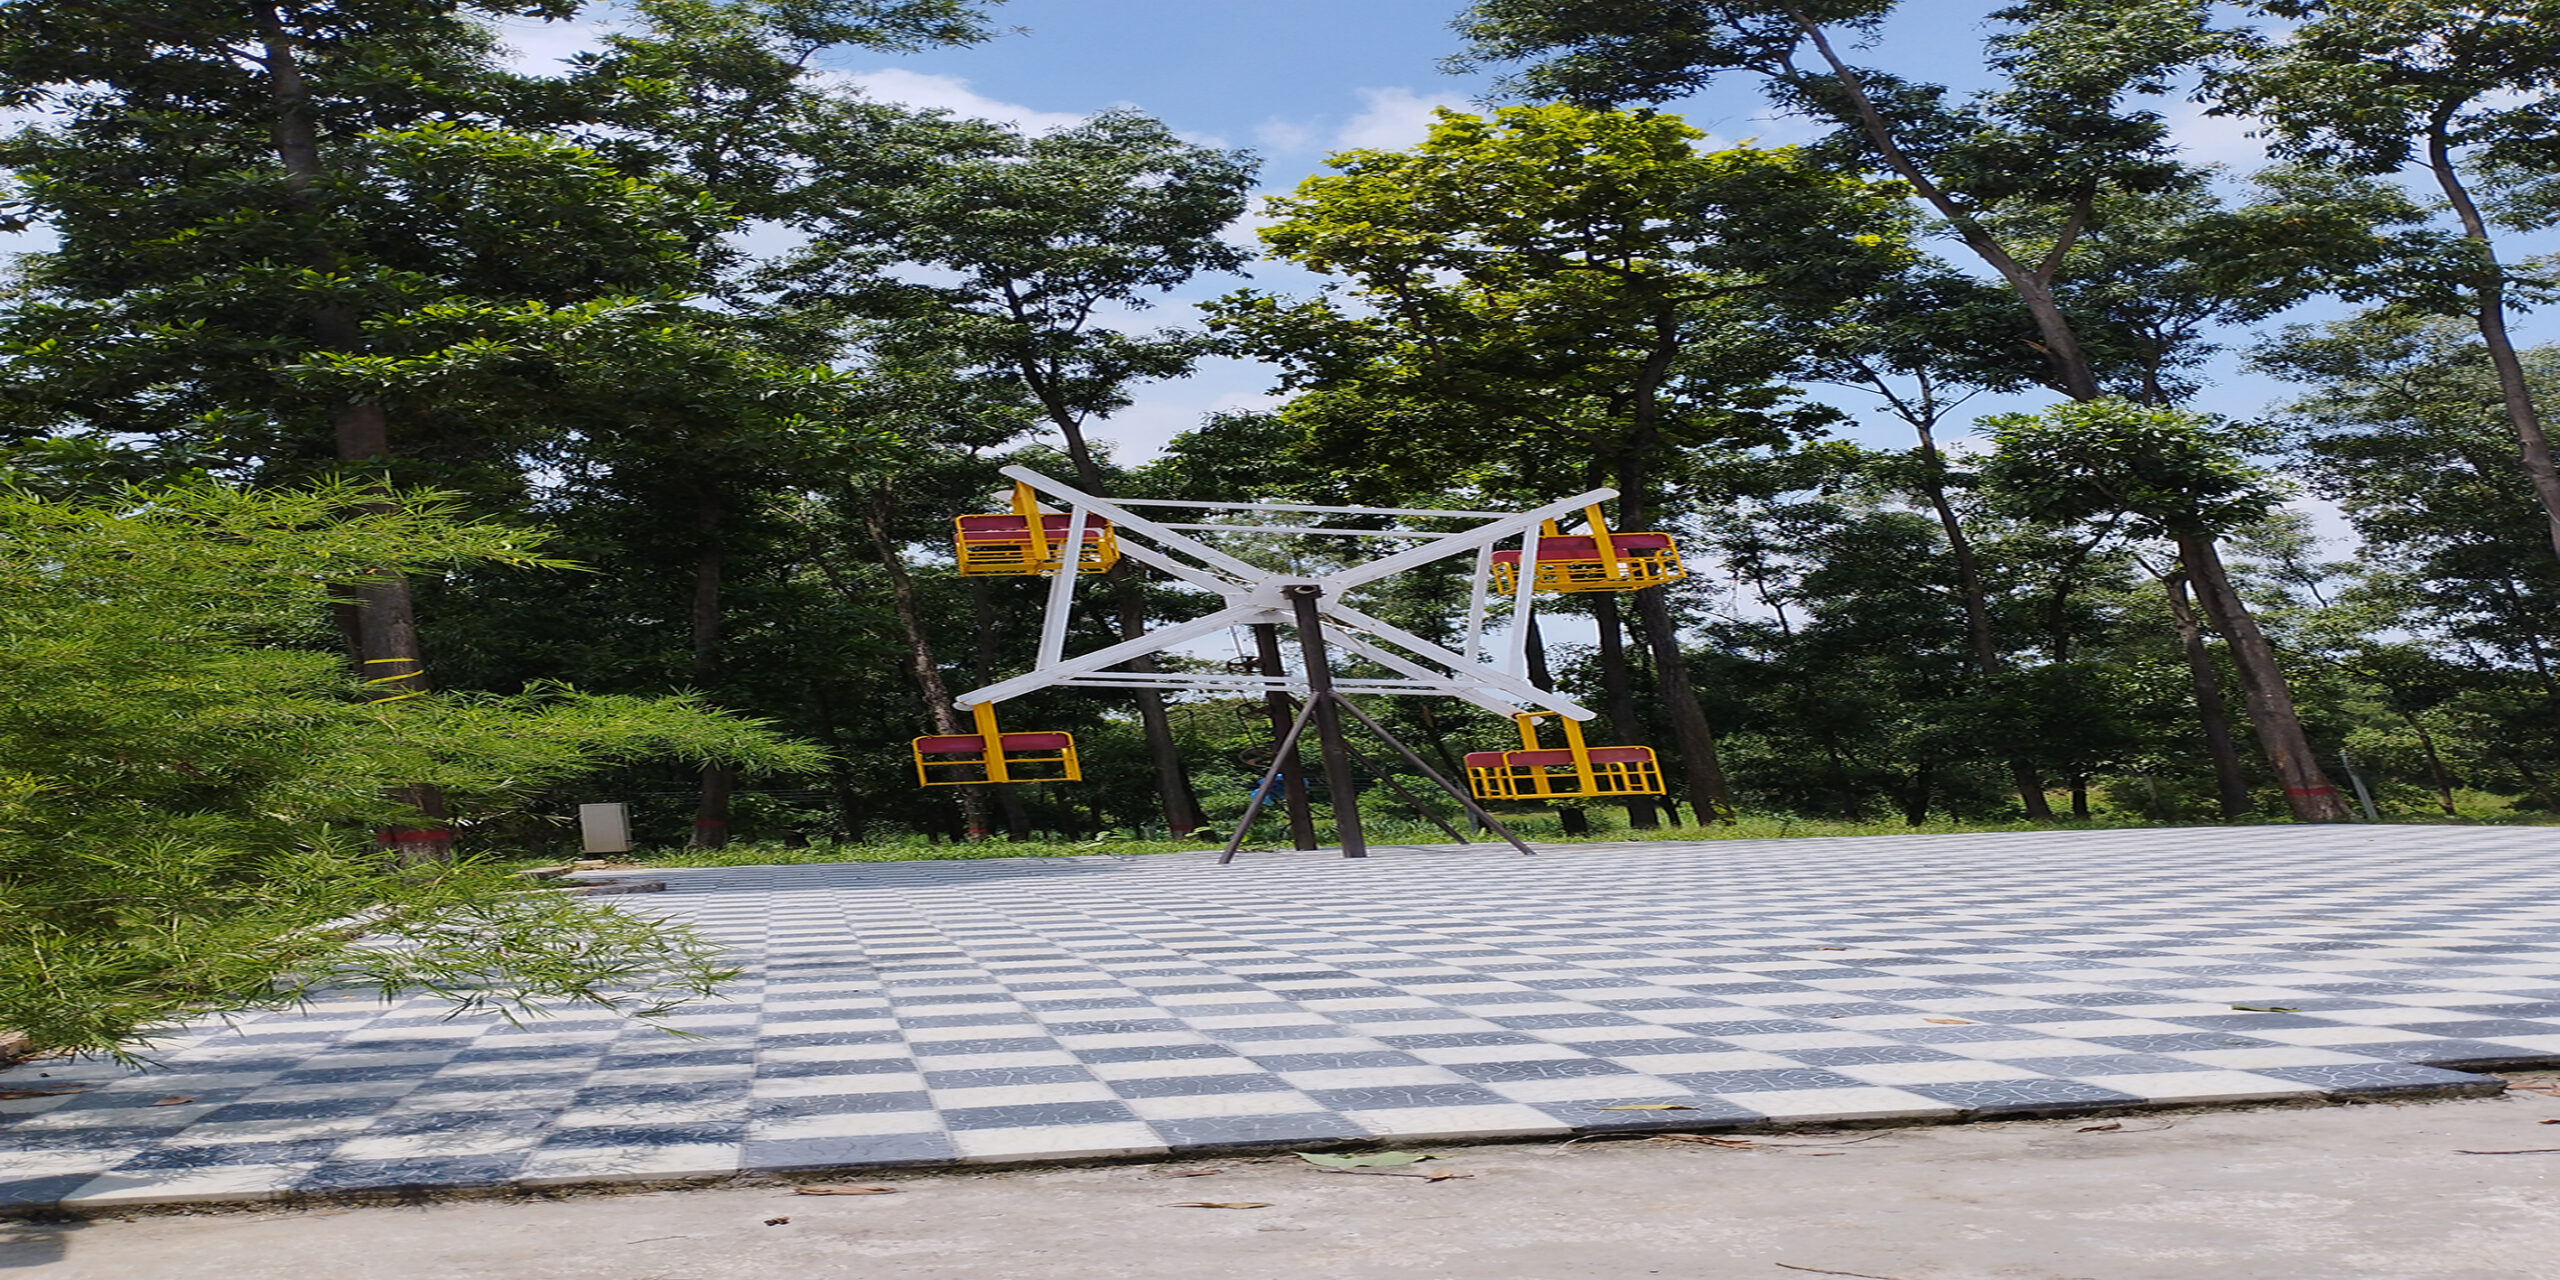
(926, 1012)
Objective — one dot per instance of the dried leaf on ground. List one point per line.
(1369, 1160)
(1947, 1022)
(844, 1191)
(775, 1222)
(171, 1101)
(1221, 1204)
(2266, 1008)
(1648, 1106)
(1708, 1140)
(12, 1095)
(2109, 1127)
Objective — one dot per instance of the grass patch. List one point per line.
(1536, 827)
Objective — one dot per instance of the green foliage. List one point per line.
(186, 802)
(2361, 84)
(1554, 291)
(2166, 471)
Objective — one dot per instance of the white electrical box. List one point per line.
(604, 828)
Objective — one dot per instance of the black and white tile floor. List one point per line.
(927, 1012)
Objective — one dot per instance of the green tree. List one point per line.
(987, 250)
(2059, 134)
(184, 798)
(1561, 292)
(2168, 473)
(340, 238)
(2466, 89)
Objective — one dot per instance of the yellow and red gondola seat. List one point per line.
(965, 759)
(1572, 772)
(1004, 544)
(1595, 560)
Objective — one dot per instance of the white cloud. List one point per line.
(1285, 135)
(953, 94)
(1393, 119)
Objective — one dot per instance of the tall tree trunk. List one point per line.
(1618, 686)
(2435, 763)
(1702, 774)
(1977, 610)
(2489, 295)
(2230, 780)
(1915, 802)
(2072, 371)
(1182, 813)
(1570, 817)
(386, 629)
(1008, 796)
(920, 660)
(2307, 789)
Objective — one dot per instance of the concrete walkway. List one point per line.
(939, 1013)
(2369, 1192)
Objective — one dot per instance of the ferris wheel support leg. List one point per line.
(1253, 803)
(1322, 700)
(1293, 777)
(1474, 810)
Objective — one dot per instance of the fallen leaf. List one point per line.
(1709, 1140)
(2266, 1008)
(844, 1191)
(2109, 1127)
(2547, 1122)
(1444, 1176)
(1944, 1022)
(1830, 948)
(1649, 1106)
(171, 1101)
(775, 1222)
(1187, 1173)
(12, 1095)
(1372, 1160)
(2519, 1151)
(1221, 1204)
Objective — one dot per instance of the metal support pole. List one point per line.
(1410, 799)
(1474, 810)
(1253, 803)
(1322, 700)
(1293, 776)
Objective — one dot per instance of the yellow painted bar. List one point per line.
(993, 739)
(1027, 506)
(1608, 549)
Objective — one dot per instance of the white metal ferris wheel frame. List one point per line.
(1497, 682)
